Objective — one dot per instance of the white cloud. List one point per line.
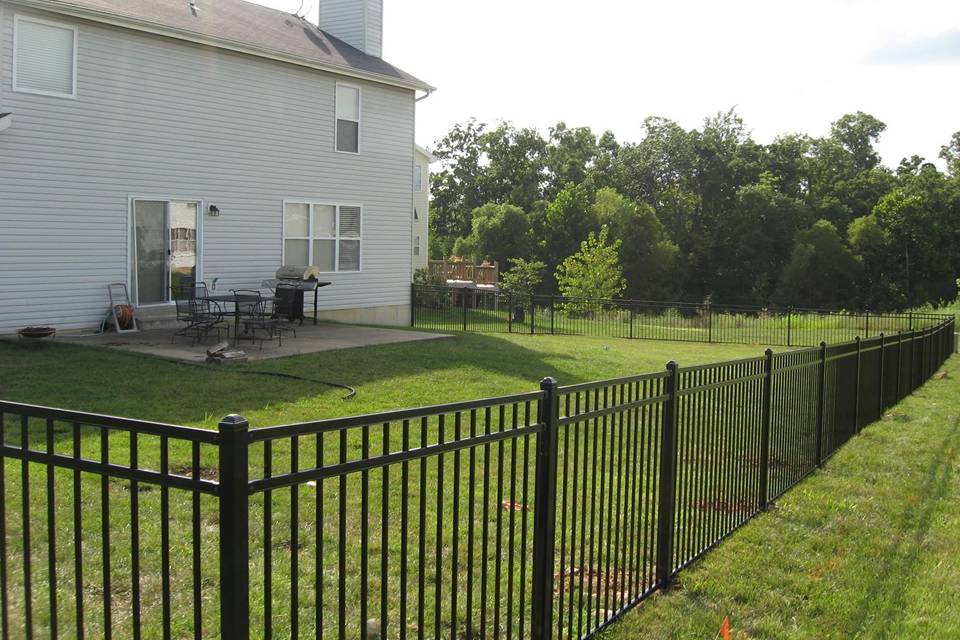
(608, 64)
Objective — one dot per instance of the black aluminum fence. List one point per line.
(464, 309)
(538, 515)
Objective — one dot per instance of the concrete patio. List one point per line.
(310, 339)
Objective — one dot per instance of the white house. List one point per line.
(422, 160)
(149, 139)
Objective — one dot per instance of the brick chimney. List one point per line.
(359, 23)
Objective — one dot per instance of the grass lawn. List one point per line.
(842, 554)
(465, 367)
(387, 377)
(867, 548)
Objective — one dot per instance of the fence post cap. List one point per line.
(233, 422)
(823, 344)
(857, 339)
(768, 352)
(548, 382)
(672, 365)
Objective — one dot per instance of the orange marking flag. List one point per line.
(725, 629)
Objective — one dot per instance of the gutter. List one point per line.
(138, 24)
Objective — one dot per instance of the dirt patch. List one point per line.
(206, 473)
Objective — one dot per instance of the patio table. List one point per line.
(236, 301)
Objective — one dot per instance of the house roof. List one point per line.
(423, 151)
(240, 26)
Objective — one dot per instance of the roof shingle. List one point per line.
(243, 24)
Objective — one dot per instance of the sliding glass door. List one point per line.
(164, 248)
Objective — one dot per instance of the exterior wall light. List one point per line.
(214, 210)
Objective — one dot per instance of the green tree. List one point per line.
(569, 155)
(821, 271)
(521, 281)
(565, 223)
(650, 259)
(950, 153)
(872, 244)
(594, 271)
(500, 231)
(514, 170)
(453, 189)
(754, 240)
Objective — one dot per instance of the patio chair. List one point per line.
(256, 317)
(200, 317)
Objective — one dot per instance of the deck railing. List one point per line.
(546, 514)
(483, 274)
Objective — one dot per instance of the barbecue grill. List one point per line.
(290, 285)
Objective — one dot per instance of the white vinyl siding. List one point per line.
(348, 118)
(45, 55)
(322, 235)
(156, 117)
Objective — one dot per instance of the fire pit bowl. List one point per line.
(37, 332)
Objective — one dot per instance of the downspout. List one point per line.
(413, 195)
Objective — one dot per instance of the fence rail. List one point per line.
(457, 309)
(546, 514)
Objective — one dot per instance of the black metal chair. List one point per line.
(200, 317)
(257, 316)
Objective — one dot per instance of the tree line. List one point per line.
(707, 213)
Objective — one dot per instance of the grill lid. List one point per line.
(298, 273)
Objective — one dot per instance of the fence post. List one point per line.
(709, 323)
(463, 306)
(544, 515)
(509, 313)
(551, 314)
(765, 429)
(234, 529)
(413, 305)
(533, 306)
(866, 330)
(821, 401)
(789, 326)
(913, 372)
(632, 312)
(911, 321)
(883, 347)
(921, 372)
(856, 390)
(668, 479)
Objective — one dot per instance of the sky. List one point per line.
(785, 66)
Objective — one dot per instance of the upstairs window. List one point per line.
(418, 177)
(348, 118)
(44, 57)
(325, 236)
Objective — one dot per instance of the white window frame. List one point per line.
(17, 19)
(359, 120)
(310, 238)
(416, 246)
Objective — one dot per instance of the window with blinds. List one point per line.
(44, 57)
(325, 236)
